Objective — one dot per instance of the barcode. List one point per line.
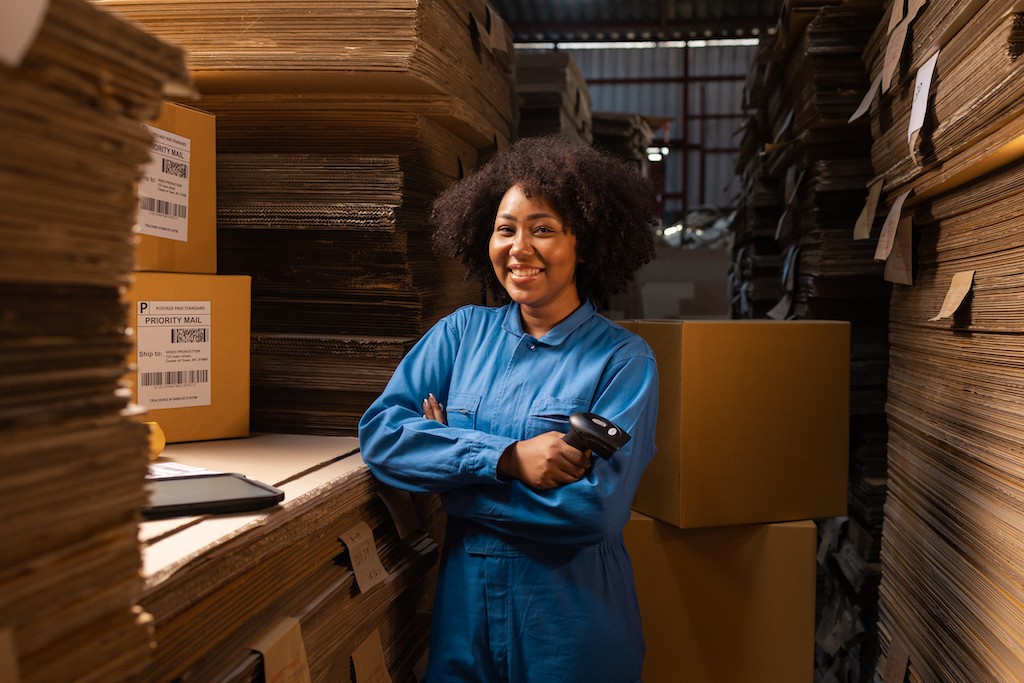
(189, 335)
(160, 379)
(154, 205)
(178, 168)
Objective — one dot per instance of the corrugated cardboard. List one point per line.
(753, 421)
(227, 412)
(198, 254)
(725, 604)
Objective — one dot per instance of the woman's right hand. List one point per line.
(544, 462)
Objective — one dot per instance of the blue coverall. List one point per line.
(534, 586)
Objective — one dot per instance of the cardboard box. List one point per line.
(191, 353)
(725, 604)
(177, 215)
(753, 421)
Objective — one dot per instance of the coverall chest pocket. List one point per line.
(462, 409)
(551, 414)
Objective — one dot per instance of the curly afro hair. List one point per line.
(606, 204)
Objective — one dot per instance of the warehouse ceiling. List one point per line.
(626, 20)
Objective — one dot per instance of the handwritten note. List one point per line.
(284, 653)
(866, 219)
(362, 552)
(959, 287)
(368, 661)
(888, 234)
(922, 89)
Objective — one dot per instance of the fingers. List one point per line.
(433, 410)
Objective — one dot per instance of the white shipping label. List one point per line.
(173, 359)
(163, 190)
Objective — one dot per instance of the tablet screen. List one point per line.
(208, 493)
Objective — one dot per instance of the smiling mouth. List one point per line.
(521, 271)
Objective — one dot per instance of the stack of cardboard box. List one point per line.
(341, 562)
(752, 442)
(191, 325)
(949, 156)
(427, 87)
(77, 86)
(554, 97)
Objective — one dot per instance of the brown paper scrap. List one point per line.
(896, 662)
(362, 551)
(284, 653)
(19, 24)
(899, 266)
(959, 287)
(914, 7)
(896, 15)
(866, 219)
(368, 661)
(893, 51)
(869, 97)
(403, 512)
(892, 221)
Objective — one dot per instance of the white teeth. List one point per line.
(525, 272)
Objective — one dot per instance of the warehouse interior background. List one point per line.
(842, 176)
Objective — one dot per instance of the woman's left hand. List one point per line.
(433, 410)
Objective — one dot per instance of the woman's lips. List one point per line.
(524, 271)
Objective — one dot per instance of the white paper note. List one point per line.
(919, 108)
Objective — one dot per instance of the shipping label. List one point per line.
(173, 359)
(163, 190)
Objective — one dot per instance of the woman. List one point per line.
(535, 583)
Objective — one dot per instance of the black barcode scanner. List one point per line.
(587, 430)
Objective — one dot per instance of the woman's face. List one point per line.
(534, 255)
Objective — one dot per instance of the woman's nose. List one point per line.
(521, 243)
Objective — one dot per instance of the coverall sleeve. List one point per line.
(405, 450)
(598, 505)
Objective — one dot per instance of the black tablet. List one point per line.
(201, 494)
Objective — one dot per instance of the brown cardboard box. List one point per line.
(191, 353)
(725, 604)
(753, 421)
(177, 218)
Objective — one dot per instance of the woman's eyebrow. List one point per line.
(531, 217)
